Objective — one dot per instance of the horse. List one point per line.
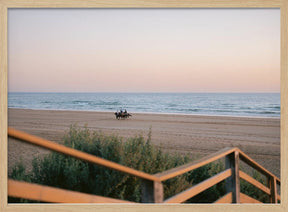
(122, 115)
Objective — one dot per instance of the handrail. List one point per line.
(227, 198)
(211, 158)
(246, 199)
(254, 182)
(154, 190)
(256, 165)
(208, 159)
(194, 190)
(77, 154)
(194, 165)
(49, 194)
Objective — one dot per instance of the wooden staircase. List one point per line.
(152, 187)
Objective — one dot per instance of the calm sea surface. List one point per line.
(239, 104)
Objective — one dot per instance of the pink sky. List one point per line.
(144, 50)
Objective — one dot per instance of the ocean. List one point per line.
(230, 104)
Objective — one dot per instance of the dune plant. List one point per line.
(65, 172)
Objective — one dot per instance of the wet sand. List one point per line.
(197, 135)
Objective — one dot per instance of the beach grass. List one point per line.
(136, 152)
(61, 171)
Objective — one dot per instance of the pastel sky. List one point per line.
(144, 50)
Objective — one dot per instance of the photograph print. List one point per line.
(144, 106)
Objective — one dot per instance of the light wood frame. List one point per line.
(6, 4)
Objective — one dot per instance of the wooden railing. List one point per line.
(152, 187)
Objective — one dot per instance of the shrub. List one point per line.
(65, 172)
(253, 191)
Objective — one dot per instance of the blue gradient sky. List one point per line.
(144, 50)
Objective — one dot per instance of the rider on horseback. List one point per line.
(122, 114)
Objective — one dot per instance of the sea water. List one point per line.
(230, 104)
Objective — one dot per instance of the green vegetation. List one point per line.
(252, 191)
(65, 172)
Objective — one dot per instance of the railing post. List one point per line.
(273, 189)
(233, 182)
(152, 192)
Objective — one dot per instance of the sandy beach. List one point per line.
(193, 134)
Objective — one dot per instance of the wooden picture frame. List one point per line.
(5, 5)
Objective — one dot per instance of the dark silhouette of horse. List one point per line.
(122, 115)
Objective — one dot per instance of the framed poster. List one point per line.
(189, 77)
